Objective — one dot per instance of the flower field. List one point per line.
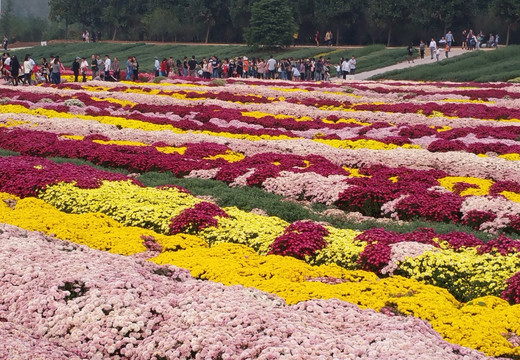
(159, 273)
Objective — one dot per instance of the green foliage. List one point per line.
(219, 82)
(158, 79)
(79, 162)
(388, 13)
(8, 153)
(161, 24)
(445, 12)
(338, 13)
(272, 24)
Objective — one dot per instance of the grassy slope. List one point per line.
(480, 66)
(369, 57)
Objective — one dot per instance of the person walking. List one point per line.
(433, 46)
(410, 53)
(449, 39)
(422, 48)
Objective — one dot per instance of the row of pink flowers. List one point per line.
(120, 307)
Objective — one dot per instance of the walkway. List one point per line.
(403, 65)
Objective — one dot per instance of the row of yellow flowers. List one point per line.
(463, 272)
(483, 324)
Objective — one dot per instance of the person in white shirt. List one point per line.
(156, 66)
(296, 73)
(433, 46)
(352, 65)
(27, 70)
(344, 68)
(83, 67)
(108, 65)
(271, 67)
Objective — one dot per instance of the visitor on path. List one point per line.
(433, 46)
(449, 39)
(352, 65)
(344, 68)
(328, 38)
(464, 39)
(4, 43)
(317, 38)
(422, 48)
(437, 53)
(447, 50)
(410, 53)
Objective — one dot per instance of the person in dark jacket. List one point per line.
(15, 69)
(75, 68)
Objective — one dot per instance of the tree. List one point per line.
(271, 24)
(338, 13)
(212, 13)
(445, 12)
(509, 11)
(64, 10)
(162, 24)
(6, 18)
(388, 13)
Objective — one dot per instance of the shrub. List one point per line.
(300, 239)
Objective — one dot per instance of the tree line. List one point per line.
(276, 22)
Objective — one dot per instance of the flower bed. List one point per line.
(388, 150)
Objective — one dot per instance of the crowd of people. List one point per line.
(108, 69)
(241, 67)
(470, 41)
